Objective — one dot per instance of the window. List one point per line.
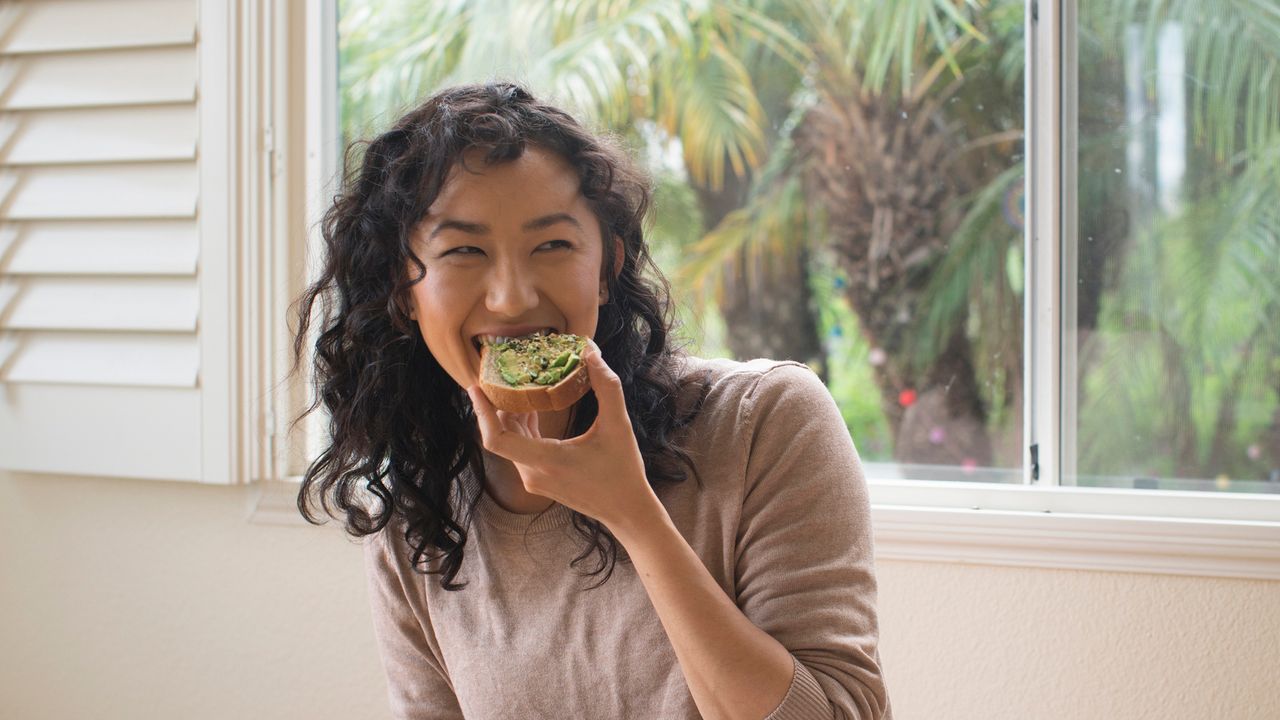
(828, 189)
(918, 216)
(1172, 271)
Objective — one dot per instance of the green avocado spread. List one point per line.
(538, 359)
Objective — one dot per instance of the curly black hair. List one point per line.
(399, 426)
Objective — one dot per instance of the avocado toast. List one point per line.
(535, 373)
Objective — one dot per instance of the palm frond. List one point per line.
(885, 43)
(976, 260)
(393, 53)
(1234, 68)
(775, 218)
(602, 52)
(711, 105)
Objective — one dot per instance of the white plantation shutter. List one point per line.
(105, 255)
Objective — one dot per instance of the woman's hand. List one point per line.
(599, 473)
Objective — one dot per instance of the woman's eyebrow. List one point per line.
(461, 226)
(472, 228)
(548, 220)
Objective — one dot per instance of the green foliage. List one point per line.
(1183, 358)
(849, 371)
(1180, 358)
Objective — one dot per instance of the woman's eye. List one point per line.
(555, 244)
(463, 250)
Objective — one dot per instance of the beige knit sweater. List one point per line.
(782, 522)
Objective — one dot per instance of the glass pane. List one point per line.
(1176, 378)
(840, 185)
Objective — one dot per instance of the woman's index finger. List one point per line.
(607, 386)
(497, 438)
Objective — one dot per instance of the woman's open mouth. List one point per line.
(479, 341)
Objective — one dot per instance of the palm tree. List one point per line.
(905, 118)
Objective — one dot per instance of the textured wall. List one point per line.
(125, 599)
(978, 642)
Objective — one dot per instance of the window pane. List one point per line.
(1176, 378)
(840, 185)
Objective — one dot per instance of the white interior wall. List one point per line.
(135, 599)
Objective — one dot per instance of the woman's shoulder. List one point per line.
(746, 376)
(737, 387)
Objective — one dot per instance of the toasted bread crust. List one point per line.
(531, 398)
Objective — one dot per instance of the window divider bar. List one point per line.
(1069, 252)
(1042, 377)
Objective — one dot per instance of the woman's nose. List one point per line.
(511, 291)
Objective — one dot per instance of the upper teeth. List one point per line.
(495, 339)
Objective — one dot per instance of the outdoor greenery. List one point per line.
(839, 182)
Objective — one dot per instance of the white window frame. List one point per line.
(1039, 522)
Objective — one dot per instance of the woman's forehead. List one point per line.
(535, 184)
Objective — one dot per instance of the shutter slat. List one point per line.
(130, 191)
(117, 77)
(86, 24)
(100, 135)
(105, 359)
(85, 303)
(100, 430)
(153, 247)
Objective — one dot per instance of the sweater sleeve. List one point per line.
(417, 685)
(804, 561)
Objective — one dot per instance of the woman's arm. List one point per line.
(803, 574)
(803, 564)
(734, 669)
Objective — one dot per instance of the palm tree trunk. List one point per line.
(766, 304)
(876, 167)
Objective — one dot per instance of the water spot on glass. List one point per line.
(1254, 451)
(980, 106)
(904, 113)
(1117, 171)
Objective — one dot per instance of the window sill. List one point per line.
(1171, 546)
(1045, 538)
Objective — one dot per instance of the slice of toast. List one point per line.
(507, 373)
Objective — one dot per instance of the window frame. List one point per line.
(1036, 523)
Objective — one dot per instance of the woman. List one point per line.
(720, 505)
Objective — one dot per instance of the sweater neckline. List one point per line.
(503, 520)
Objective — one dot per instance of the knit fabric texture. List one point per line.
(781, 520)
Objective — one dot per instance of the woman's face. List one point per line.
(509, 249)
